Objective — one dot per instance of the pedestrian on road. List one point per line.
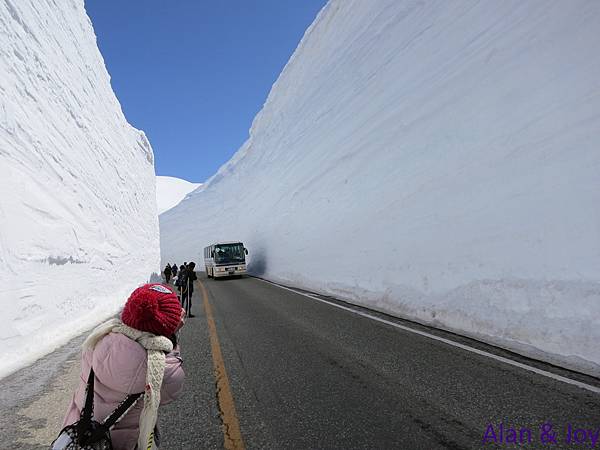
(133, 354)
(188, 287)
(174, 269)
(167, 273)
(180, 281)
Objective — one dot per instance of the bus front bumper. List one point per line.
(229, 271)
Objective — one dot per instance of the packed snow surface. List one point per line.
(436, 160)
(170, 191)
(78, 219)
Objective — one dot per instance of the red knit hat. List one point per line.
(154, 308)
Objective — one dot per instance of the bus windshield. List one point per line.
(226, 253)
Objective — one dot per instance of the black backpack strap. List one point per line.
(121, 410)
(84, 425)
(88, 408)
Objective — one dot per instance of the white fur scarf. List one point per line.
(155, 347)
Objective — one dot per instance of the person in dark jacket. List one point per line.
(174, 269)
(167, 273)
(187, 287)
(180, 279)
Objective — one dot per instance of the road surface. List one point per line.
(307, 375)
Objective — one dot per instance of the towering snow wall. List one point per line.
(78, 220)
(436, 160)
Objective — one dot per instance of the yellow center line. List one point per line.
(231, 426)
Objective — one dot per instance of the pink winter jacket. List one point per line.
(120, 368)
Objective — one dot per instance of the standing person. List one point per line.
(136, 353)
(180, 279)
(167, 273)
(190, 277)
(174, 269)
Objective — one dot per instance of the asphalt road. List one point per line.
(302, 374)
(306, 375)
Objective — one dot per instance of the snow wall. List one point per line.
(435, 160)
(78, 220)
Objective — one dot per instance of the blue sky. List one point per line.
(193, 73)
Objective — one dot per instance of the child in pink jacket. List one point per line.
(131, 355)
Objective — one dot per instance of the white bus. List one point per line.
(225, 259)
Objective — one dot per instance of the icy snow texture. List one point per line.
(170, 191)
(436, 160)
(78, 219)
